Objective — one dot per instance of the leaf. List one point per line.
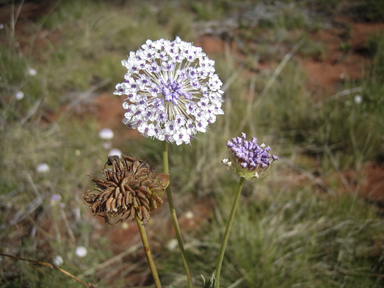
(212, 280)
(210, 283)
(203, 280)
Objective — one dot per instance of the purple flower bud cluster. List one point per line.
(249, 159)
(172, 91)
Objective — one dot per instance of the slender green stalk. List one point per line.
(151, 264)
(227, 230)
(174, 217)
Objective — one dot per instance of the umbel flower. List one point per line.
(172, 91)
(247, 159)
(131, 189)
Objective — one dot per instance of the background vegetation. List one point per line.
(307, 224)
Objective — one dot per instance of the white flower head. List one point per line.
(81, 251)
(58, 260)
(106, 134)
(172, 244)
(189, 215)
(19, 95)
(32, 72)
(172, 91)
(358, 99)
(42, 168)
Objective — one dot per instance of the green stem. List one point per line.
(151, 264)
(227, 230)
(174, 217)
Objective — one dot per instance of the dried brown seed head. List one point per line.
(130, 189)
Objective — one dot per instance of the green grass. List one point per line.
(294, 239)
(304, 225)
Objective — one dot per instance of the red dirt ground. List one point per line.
(374, 186)
(339, 65)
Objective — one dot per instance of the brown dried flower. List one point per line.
(131, 189)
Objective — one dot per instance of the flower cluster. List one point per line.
(172, 91)
(247, 158)
(131, 189)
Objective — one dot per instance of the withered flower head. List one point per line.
(131, 189)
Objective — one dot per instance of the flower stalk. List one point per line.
(148, 254)
(227, 230)
(130, 190)
(248, 160)
(174, 217)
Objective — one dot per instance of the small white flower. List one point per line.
(172, 244)
(151, 130)
(358, 99)
(1, 26)
(114, 151)
(106, 134)
(189, 215)
(181, 136)
(201, 125)
(226, 162)
(58, 260)
(143, 129)
(81, 251)
(342, 76)
(32, 72)
(170, 128)
(19, 95)
(191, 129)
(42, 168)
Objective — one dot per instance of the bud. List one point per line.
(248, 159)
